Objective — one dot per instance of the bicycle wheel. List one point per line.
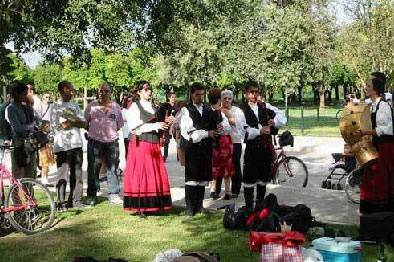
(338, 114)
(292, 172)
(33, 208)
(352, 186)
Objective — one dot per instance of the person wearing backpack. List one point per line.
(377, 182)
(22, 120)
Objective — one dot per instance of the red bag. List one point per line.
(287, 239)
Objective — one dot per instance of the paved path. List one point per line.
(327, 205)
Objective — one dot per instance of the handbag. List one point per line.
(288, 239)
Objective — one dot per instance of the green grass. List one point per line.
(310, 124)
(107, 231)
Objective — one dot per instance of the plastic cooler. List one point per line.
(333, 250)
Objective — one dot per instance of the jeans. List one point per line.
(109, 153)
(70, 162)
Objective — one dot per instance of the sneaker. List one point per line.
(115, 199)
(90, 201)
(227, 197)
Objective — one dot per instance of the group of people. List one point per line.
(209, 139)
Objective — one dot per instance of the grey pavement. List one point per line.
(329, 206)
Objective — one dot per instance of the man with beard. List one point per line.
(263, 120)
(104, 120)
(198, 128)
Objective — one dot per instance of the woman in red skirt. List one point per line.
(222, 152)
(377, 182)
(146, 187)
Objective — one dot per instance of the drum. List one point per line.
(354, 118)
(364, 151)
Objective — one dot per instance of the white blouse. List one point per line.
(134, 120)
(279, 120)
(238, 130)
(384, 118)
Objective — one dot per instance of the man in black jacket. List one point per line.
(198, 127)
(263, 120)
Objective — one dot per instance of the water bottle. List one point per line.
(381, 257)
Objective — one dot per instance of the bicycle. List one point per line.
(27, 205)
(289, 170)
(338, 114)
(352, 185)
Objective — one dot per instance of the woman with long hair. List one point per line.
(146, 186)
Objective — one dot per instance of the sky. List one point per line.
(32, 59)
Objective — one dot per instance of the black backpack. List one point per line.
(5, 127)
(300, 218)
(286, 139)
(236, 219)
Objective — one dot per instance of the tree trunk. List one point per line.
(336, 88)
(85, 97)
(299, 95)
(270, 95)
(4, 93)
(286, 98)
(322, 96)
(345, 91)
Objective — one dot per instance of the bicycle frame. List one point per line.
(280, 157)
(5, 174)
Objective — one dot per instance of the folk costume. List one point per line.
(146, 186)
(196, 121)
(222, 152)
(237, 136)
(377, 181)
(259, 151)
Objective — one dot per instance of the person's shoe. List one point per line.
(227, 197)
(79, 205)
(61, 208)
(214, 195)
(90, 201)
(234, 195)
(115, 199)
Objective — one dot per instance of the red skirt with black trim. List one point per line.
(222, 162)
(145, 185)
(377, 182)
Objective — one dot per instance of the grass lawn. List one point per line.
(310, 124)
(107, 231)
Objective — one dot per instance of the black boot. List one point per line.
(260, 195)
(199, 199)
(249, 197)
(189, 200)
(218, 188)
(61, 194)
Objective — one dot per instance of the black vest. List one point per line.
(146, 117)
(384, 138)
(264, 114)
(207, 121)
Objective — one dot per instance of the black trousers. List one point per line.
(236, 180)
